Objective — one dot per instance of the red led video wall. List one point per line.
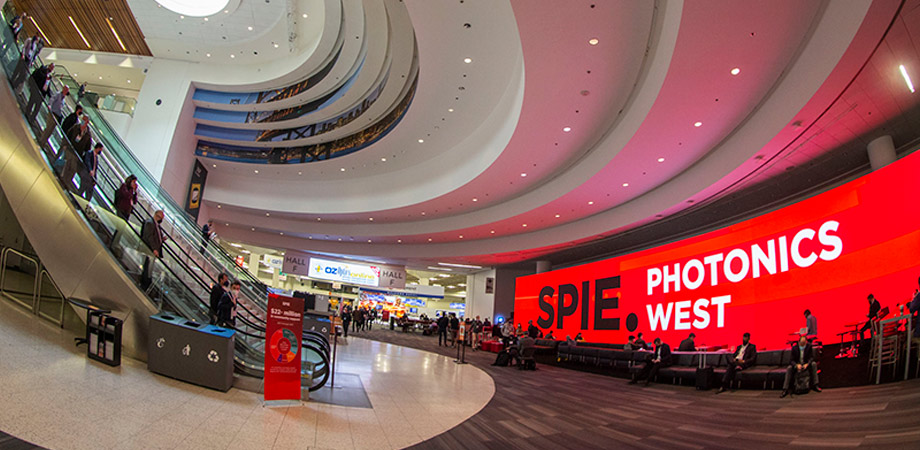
(825, 253)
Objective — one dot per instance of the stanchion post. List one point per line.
(335, 345)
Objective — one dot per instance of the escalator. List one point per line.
(94, 254)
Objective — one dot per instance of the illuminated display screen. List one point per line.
(825, 253)
(344, 272)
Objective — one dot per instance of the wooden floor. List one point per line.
(555, 408)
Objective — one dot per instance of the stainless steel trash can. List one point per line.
(186, 350)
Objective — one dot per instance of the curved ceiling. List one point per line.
(535, 128)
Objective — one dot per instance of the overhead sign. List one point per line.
(826, 253)
(273, 261)
(283, 332)
(343, 272)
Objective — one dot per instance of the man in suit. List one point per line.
(811, 325)
(661, 357)
(802, 360)
(217, 291)
(152, 235)
(874, 308)
(443, 325)
(686, 345)
(745, 356)
(88, 177)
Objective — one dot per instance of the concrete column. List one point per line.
(254, 264)
(881, 152)
(275, 281)
(544, 266)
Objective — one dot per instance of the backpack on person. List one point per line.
(503, 359)
(802, 381)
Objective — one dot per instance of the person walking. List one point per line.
(443, 325)
(152, 235)
(88, 177)
(346, 319)
(16, 25)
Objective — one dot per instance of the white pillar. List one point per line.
(254, 264)
(881, 152)
(544, 266)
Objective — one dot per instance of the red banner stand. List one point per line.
(283, 332)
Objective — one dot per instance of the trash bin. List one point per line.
(190, 351)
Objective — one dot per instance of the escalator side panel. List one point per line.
(73, 255)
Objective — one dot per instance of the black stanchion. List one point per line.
(461, 352)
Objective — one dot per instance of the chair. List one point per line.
(527, 361)
(886, 343)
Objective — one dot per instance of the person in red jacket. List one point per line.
(126, 197)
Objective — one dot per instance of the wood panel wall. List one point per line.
(90, 16)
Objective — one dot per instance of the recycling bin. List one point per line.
(186, 350)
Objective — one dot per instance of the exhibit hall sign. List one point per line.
(283, 332)
(344, 272)
(826, 253)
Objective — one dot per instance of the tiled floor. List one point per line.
(51, 395)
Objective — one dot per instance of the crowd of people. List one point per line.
(359, 318)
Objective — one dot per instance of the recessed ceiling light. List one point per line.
(181, 17)
(213, 165)
(276, 45)
(299, 173)
(421, 141)
(698, 124)
(281, 233)
(267, 214)
(256, 171)
(218, 206)
(399, 241)
(249, 28)
(660, 159)
(342, 169)
(557, 216)
(523, 174)
(253, 229)
(383, 159)
(318, 219)
(340, 239)
(370, 218)
(592, 41)
(524, 225)
(467, 60)
(208, 55)
(625, 184)
(100, 77)
(736, 71)
(475, 199)
(461, 236)
(450, 109)
(423, 213)
(305, 15)
(590, 203)
(567, 129)
(129, 81)
(232, 55)
(492, 232)
(368, 240)
(205, 19)
(910, 85)
(429, 239)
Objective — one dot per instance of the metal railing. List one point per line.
(4, 259)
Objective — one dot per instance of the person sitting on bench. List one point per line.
(803, 358)
(687, 345)
(660, 358)
(745, 356)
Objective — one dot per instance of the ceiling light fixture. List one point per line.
(42, 32)
(370, 218)
(213, 165)
(492, 232)
(256, 171)
(450, 109)
(117, 37)
(205, 19)
(342, 169)
(267, 214)
(661, 160)
(305, 15)
(593, 41)
(524, 225)
(276, 45)
(462, 266)
(590, 203)
(736, 71)
(523, 174)
(233, 244)
(475, 199)
(443, 275)
(421, 141)
(625, 184)
(429, 239)
(232, 55)
(249, 28)
(698, 124)
(906, 77)
(79, 32)
(461, 236)
(557, 216)
(567, 129)
(208, 55)
(383, 159)
(194, 8)
(467, 60)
